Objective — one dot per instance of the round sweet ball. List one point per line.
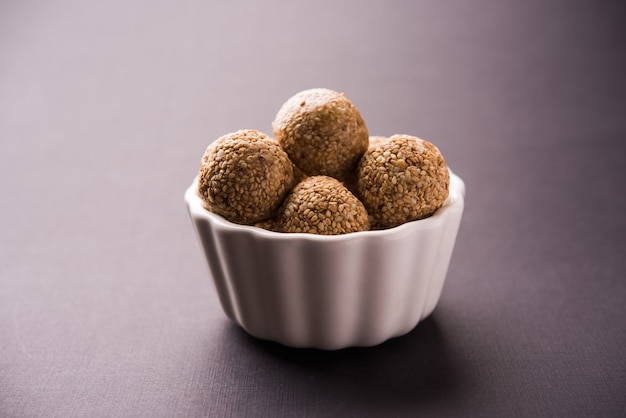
(322, 131)
(244, 176)
(322, 205)
(402, 179)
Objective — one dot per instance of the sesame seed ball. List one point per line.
(244, 176)
(322, 132)
(322, 205)
(402, 179)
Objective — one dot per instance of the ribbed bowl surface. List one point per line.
(329, 292)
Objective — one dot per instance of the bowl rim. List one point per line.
(196, 208)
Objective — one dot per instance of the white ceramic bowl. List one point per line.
(329, 292)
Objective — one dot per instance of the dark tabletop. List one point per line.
(106, 303)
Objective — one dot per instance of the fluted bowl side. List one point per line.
(329, 292)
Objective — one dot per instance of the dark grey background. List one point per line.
(106, 305)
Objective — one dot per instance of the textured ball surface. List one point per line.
(244, 176)
(322, 132)
(402, 179)
(322, 205)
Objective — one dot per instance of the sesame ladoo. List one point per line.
(322, 205)
(322, 132)
(401, 179)
(244, 176)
